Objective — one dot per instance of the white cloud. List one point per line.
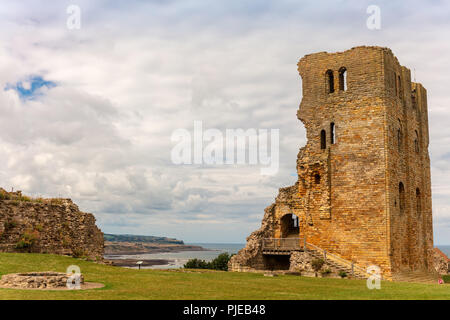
(132, 74)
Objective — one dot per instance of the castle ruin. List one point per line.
(55, 226)
(363, 194)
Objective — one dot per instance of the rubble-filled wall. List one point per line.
(441, 262)
(47, 226)
(349, 171)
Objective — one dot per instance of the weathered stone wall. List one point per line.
(48, 226)
(408, 168)
(441, 262)
(352, 169)
(347, 193)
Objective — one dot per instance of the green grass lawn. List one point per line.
(121, 283)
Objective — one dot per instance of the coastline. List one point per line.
(173, 258)
(130, 263)
(126, 254)
(135, 248)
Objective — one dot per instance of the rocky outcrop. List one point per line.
(54, 226)
(250, 257)
(301, 262)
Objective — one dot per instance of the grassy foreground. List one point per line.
(121, 283)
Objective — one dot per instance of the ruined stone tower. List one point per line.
(363, 191)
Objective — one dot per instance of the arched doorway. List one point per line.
(290, 226)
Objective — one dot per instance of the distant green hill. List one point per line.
(137, 238)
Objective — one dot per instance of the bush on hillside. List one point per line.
(219, 263)
(27, 240)
(317, 264)
(196, 264)
(446, 278)
(10, 224)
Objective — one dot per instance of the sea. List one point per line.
(178, 259)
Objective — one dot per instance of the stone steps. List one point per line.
(417, 277)
(406, 276)
(338, 266)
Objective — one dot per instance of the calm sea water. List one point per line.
(178, 259)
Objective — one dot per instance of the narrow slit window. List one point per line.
(332, 133)
(418, 202)
(416, 143)
(323, 139)
(401, 194)
(317, 178)
(330, 81)
(395, 84)
(343, 79)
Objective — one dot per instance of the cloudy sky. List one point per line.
(88, 113)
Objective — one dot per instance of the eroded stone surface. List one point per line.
(54, 226)
(301, 262)
(37, 280)
(441, 262)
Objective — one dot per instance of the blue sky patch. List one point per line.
(29, 88)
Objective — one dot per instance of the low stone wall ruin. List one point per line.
(37, 280)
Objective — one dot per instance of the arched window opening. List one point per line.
(416, 143)
(332, 133)
(289, 226)
(330, 81)
(323, 139)
(418, 202)
(317, 178)
(401, 196)
(343, 79)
